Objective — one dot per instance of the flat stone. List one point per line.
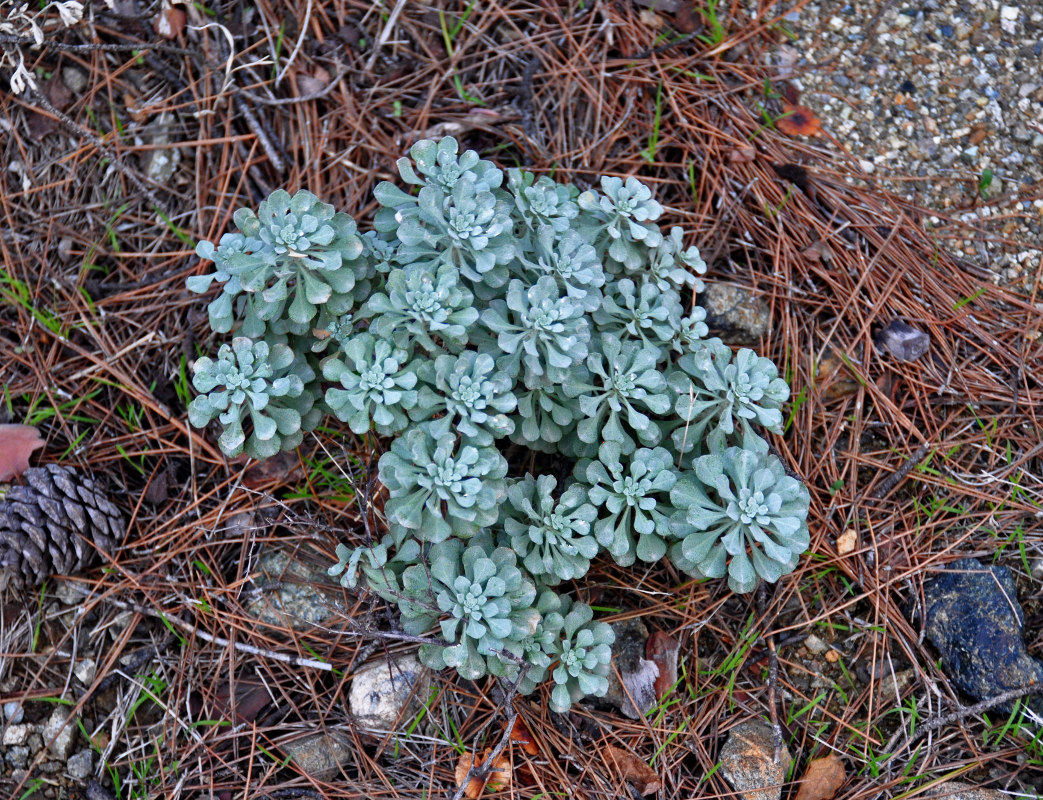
(320, 755)
(80, 765)
(16, 757)
(15, 734)
(58, 732)
(291, 593)
(385, 695)
(86, 670)
(736, 313)
(973, 617)
(748, 762)
(13, 712)
(957, 790)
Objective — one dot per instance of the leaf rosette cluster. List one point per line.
(499, 323)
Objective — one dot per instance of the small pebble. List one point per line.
(80, 765)
(816, 645)
(13, 712)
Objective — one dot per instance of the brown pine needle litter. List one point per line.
(190, 696)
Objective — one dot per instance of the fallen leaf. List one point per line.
(633, 770)
(170, 22)
(822, 779)
(522, 736)
(742, 154)
(499, 776)
(284, 467)
(846, 542)
(833, 376)
(798, 121)
(17, 443)
(818, 251)
(662, 649)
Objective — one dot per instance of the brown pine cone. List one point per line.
(53, 524)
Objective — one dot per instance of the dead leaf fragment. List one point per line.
(742, 154)
(662, 649)
(522, 736)
(798, 121)
(846, 541)
(818, 251)
(170, 21)
(499, 776)
(17, 443)
(823, 777)
(633, 769)
(651, 19)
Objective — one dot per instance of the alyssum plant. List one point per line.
(484, 317)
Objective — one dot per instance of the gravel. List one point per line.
(944, 91)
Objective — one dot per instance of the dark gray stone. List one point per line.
(637, 673)
(973, 617)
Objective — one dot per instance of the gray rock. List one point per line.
(86, 670)
(15, 734)
(163, 162)
(58, 732)
(972, 616)
(74, 79)
(748, 762)
(385, 695)
(638, 674)
(17, 757)
(13, 712)
(736, 313)
(80, 765)
(957, 790)
(291, 593)
(320, 755)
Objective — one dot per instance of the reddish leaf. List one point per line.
(522, 736)
(17, 443)
(799, 121)
(662, 648)
(822, 779)
(170, 22)
(499, 776)
(641, 776)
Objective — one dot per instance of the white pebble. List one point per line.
(1010, 12)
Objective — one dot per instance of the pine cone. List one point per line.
(48, 526)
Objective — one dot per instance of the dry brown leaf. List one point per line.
(634, 770)
(284, 467)
(823, 777)
(651, 19)
(818, 251)
(742, 154)
(662, 648)
(847, 541)
(798, 121)
(522, 736)
(499, 776)
(17, 443)
(170, 21)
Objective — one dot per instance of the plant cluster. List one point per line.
(487, 316)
